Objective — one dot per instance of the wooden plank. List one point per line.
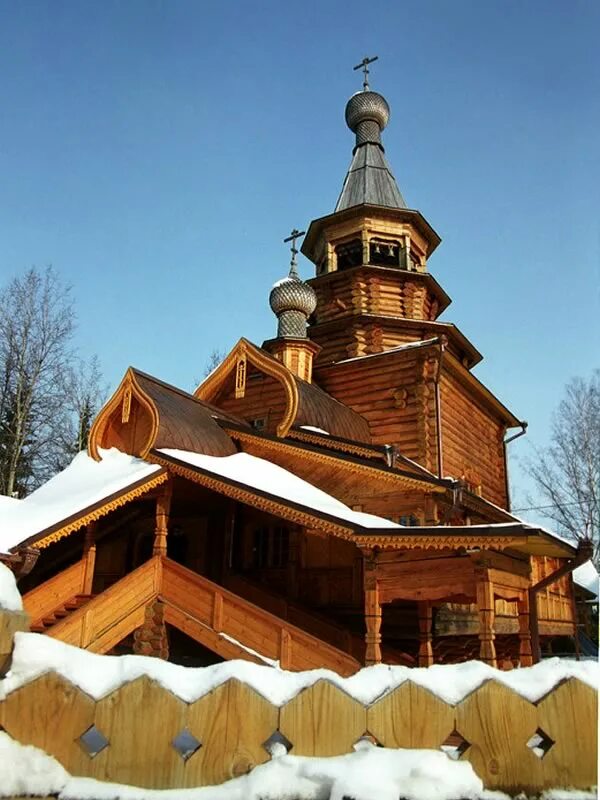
(232, 722)
(410, 716)
(322, 721)
(45, 598)
(50, 713)
(140, 720)
(569, 716)
(498, 723)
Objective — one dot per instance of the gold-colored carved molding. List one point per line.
(249, 497)
(127, 390)
(103, 510)
(208, 390)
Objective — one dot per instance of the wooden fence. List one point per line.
(222, 734)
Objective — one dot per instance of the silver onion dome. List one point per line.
(292, 301)
(292, 294)
(367, 107)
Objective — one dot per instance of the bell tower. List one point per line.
(373, 288)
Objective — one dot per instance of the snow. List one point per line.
(28, 770)
(257, 473)
(82, 484)
(314, 430)
(587, 576)
(265, 659)
(370, 773)
(10, 597)
(98, 675)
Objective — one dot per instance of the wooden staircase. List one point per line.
(62, 611)
(227, 624)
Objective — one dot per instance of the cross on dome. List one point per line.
(295, 234)
(364, 65)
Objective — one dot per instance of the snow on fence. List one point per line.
(143, 734)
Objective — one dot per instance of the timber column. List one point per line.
(89, 557)
(425, 645)
(161, 529)
(487, 611)
(372, 609)
(525, 653)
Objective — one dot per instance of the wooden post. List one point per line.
(372, 610)
(487, 612)
(534, 627)
(163, 509)
(425, 646)
(525, 657)
(89, 556)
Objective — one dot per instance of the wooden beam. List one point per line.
(163, 509)
(525, 654)
(486, 609)
(425, 646)
(372, 609)
(89, 558)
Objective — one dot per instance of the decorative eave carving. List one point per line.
(43, 539)
(254, 498)
(245, 351)
(128, 389)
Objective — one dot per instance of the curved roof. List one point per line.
(306, 403)
(174, 418)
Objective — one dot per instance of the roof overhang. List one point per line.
(407, 215)
(47, 536)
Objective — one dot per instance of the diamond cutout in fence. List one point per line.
(540, 743)
(186, 744)
(93, 741)
(454, 745)
(277, 745)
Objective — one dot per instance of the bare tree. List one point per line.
(214, 359)
(47, 399)
(567, 472)
(84, 394)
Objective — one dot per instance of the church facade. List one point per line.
(335, 497)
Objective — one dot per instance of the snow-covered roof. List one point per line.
(84, 483)
(587, 576)
(263, 476)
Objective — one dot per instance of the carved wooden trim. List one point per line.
(381, 475)
(251, 498)
(127, 389)
(102, 510)
(246, 350)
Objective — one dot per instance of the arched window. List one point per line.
(349, 254)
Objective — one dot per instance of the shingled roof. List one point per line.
(370, 180)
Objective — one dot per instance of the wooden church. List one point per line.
(335, 497)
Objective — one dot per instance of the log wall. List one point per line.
(472, 439)
(264, 398)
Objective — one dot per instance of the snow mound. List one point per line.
(10, 597)
(371, 773)
(28, 770)
(98, 675)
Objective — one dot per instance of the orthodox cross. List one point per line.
(295, 234)
(364, 65)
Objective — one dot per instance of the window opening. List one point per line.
(349, 254)
(384, 253)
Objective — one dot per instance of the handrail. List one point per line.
(48, 596)
(127, 596)
(249, 625)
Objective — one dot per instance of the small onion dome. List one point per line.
(367, 107)
(292, 294)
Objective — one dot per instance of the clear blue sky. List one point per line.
(156, 153)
